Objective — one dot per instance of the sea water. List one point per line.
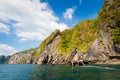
(59, 72)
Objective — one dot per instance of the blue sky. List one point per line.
(25, 24)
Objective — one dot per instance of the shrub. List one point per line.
(116, 35)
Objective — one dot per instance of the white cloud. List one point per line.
(68, 14)
(4, 28)
(35, 20)
(6, 49)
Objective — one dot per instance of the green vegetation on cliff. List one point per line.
(80, 36)
(109, 17)
(116, 34)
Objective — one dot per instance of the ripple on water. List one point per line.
(59, 72)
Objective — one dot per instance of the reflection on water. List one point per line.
(59, 72)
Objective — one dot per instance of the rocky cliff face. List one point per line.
(24, 57)
(93, 41)
(50, 52)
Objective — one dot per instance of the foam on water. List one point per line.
(102, 67)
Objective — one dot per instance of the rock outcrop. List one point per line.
(50, 53)
(24, 57)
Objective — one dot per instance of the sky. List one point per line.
(24, 24)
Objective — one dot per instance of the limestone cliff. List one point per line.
(90, 40)
(24, 57)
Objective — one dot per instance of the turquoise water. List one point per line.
(59, 72)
